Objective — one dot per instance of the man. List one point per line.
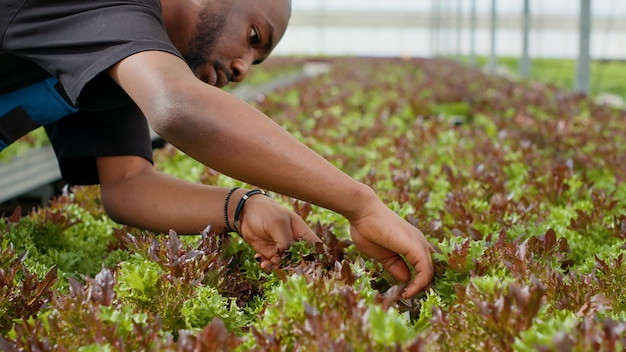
(121, 63)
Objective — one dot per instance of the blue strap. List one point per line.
(41, 101)
(26, 108)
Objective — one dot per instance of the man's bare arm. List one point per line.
(232, 137)
(221, 131)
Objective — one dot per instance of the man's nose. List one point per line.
(240, 68)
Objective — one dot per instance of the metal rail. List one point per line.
(30, 171)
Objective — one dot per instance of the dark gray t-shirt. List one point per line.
(77, 40)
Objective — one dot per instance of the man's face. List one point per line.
(232, 35)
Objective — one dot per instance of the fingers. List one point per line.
(273, 234)
(396, 266)
(419, 284)
(301, 231)
(287, 232)
(271, 230)
(266, 264)
(390, 243)
(422, 280)
(424, 271)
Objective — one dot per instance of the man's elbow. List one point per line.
(114, 208)
(167, 117)
(185, 111)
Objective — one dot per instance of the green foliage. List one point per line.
(123, 317)
(606, 76)
(428, 305)
(208, 304)
(72, 237)
(611, 276)
(35, 139)
(22, 293)
(547, 325)
(522, 199)
(138, 281)
(176, 163)
(389, 328)
(330, 315)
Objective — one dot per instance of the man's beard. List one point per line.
(209, 28)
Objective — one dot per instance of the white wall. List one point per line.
(600, 7)
(419, 40)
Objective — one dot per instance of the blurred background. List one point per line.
(577, 45)
(502, 36)
(428, 28)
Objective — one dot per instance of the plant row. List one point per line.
(519, 188)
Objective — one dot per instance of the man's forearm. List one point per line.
(232, 137)
(135, 194)
(238, 140)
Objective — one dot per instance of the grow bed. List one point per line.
(519, 187)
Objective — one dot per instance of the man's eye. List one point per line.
(254, 36)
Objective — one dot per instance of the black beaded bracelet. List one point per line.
(242, 201)
(230, 193)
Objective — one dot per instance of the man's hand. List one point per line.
(382, 235)
(270, 228)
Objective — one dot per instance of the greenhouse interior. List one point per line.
(494, 129)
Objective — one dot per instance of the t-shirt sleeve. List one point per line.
(77, 40)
